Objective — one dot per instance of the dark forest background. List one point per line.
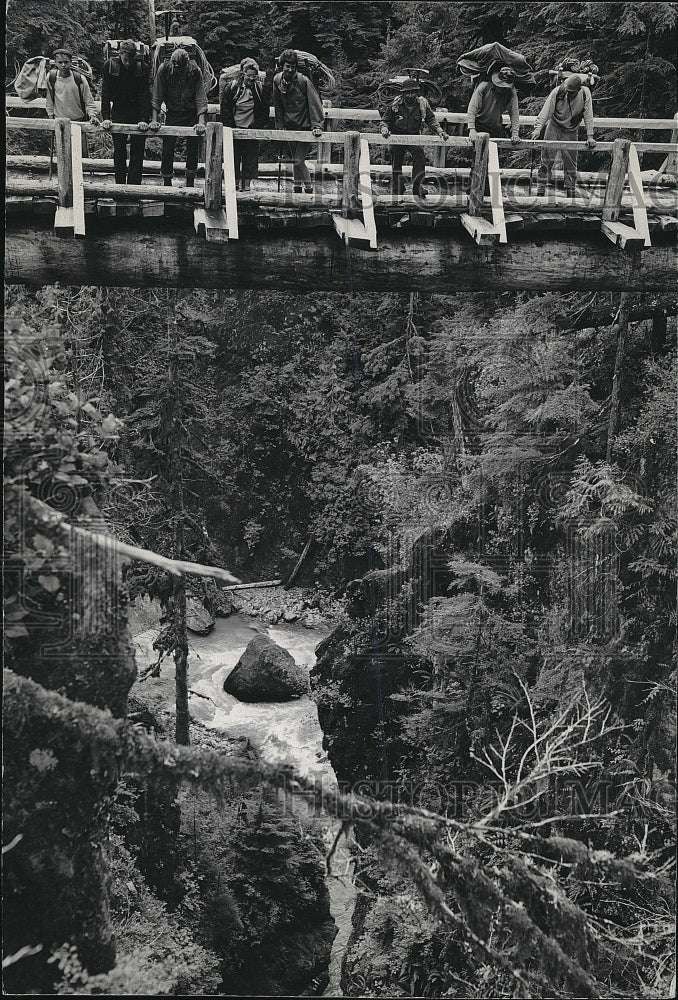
(488, 483)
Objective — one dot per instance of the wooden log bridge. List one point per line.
(619, 232)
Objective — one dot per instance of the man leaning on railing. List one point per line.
(409, 114)
(564, 109)
(126, 98)
(179, 84)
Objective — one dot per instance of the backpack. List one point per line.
(112, 50)
(230, 73)
(389, 91)
(31, 80)
(317, 72)
(51, 86)
(140, 66)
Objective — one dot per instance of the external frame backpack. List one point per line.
(230, 73)
(320, 75)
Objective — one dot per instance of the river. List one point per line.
(284, 732)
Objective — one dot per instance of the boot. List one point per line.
(541, 189)
(190, 178)
(167, 182)
(297, 188)
(308, 189)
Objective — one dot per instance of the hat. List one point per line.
(408, 85)
(503, 77)
(249, 63)
(128, 45)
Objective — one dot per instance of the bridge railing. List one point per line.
(216, 209)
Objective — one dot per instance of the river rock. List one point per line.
(290, 616)
(265, 672)
(198, 619)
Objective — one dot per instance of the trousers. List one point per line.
(569, 156)
(418, 168)
(128, 174)
(168, 147)
(299, 151)
(246, 154)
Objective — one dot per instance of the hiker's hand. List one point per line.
(154, 126)
(199, 129)
(94, 120)
(472, 134)
(106, 123)
(535, 134)
(143, 126)
(515, 140)
(591, 142)
(317, 131)
(385, 131)
(444, 136)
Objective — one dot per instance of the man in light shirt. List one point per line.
(69, 94)
(564, 110)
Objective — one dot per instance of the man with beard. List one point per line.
(408, 115)
(298, 108)
(179, 84)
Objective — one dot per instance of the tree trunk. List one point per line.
(621, 328)
(175, 473)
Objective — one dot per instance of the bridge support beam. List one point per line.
(167, 253)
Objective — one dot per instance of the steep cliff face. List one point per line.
(262, 886)
(57, 786)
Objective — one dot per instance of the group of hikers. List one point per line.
(129, 97)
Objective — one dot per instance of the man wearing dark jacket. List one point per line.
(298, 108)
(409, 115)
(126, 98)
(246, 103)
(179, 85)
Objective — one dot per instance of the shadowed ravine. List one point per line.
(286, 732)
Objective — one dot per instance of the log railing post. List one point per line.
(62, 150)
(616, 180)
(349, 201)
(324, 153)
(214, 153)
(479, 173)
(672, 158)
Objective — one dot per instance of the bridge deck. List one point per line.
(440, 240)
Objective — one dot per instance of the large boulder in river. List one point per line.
(265, 672)
(198, 618)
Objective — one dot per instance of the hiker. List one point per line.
(180, 85)
(297, 108)
(409, 114)
(126, 98)
(564, 109)
(69, 94)
(489, 101)
(246, 103)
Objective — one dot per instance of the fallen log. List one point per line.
(590, 318)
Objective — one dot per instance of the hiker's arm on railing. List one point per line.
(451, 117)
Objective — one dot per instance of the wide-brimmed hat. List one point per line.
(409, 86)
(503, 77)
